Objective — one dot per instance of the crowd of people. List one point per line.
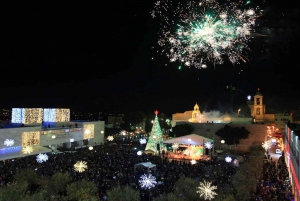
(274, 184)
(112, 165)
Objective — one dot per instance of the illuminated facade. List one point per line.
(292, 156)
(195, 116)
(27, 115)
(15, 139)
(37, 115)
(88, 131)
(56, 115)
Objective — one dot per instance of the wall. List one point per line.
(15, 134)
(256, 136)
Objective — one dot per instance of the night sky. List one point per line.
(98, 57)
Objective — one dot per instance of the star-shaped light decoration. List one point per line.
(110, 138)
(27, 150)
(143, 141)
(9, 142)
(206, 190)
(193, 162)
(41, 158)
(228, 159)
(208, 145)
(147, 181)
(80, 166)
(266, 145)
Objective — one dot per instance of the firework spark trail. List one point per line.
(194, 33)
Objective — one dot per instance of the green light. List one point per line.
(248, 2)
(179, 67)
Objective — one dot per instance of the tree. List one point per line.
(182, 130)
(132, 119)
(27, 176)
(125, 193)
(170, 197)
(14, 192)
(81, 191)
(57, 184)
(187, 187)
(232, 135)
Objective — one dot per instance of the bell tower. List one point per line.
(196, 113)
(258, 107)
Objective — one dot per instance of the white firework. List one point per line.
(147, 181)
(266, 145)
(195, 32)
(41, 158)
(228, 159)
(206, 190)
(175, 146)
(110, 138)
(9, 142)
(208, 145)
(80, 166)
(27, 150)
(143, 141)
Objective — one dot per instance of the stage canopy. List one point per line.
(192, 139)
(147, 165)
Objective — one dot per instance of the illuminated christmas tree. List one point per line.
(155, 137)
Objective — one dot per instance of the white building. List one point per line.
(28, 129)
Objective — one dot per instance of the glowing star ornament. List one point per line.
(27, 150)
(143, 141)
(9, 142)
(41, 158)
(208, 145)
(147, 181)
(193, 162)
(196, 32)
(110, 138)
(228, 159)
(206, 190)
(80, 166)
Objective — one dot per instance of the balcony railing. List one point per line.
(60, 131)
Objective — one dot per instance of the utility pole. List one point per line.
(231, 89)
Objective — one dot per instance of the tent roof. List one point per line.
(193, 139)
(146, 164)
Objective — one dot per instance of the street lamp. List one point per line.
(239, 112)
(222, 142)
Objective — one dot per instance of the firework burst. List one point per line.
(147, 181)
(208, 145)
(266, 145)
(41, 158)
(27, 150)
(206, 190)
(80, 166)
(110, 138)
(9, 142)
(197, 32)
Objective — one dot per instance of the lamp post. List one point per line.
(222, 142)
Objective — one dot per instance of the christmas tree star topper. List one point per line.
(156, 112)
